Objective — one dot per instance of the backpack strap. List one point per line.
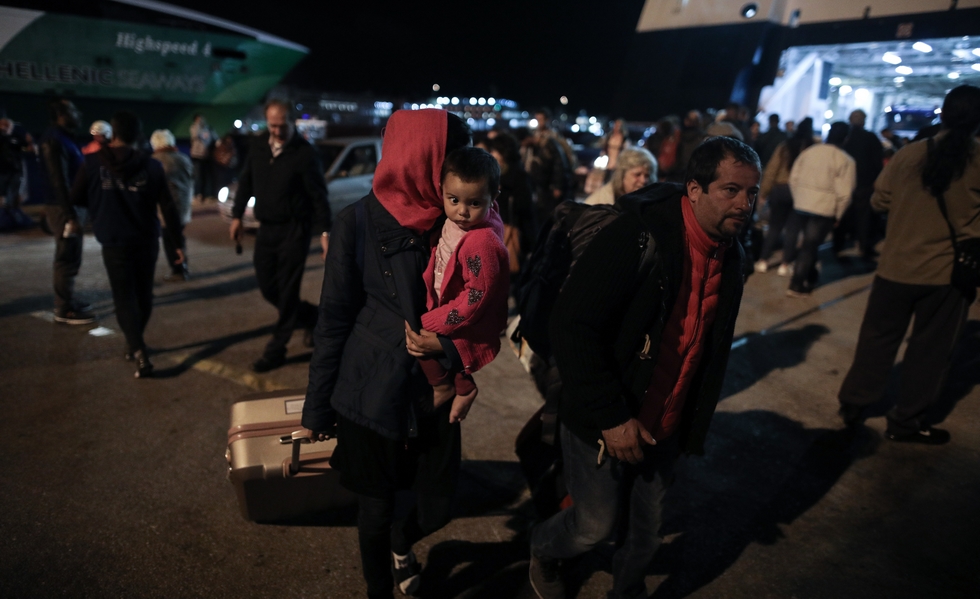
(941, 198)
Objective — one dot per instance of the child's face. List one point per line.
(465, 203)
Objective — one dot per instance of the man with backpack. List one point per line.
(641, 333)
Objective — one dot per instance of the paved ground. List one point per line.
(115, 487)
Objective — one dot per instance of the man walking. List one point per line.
(860, 222)
(123, 188)
(60, 161)
(283, 174)
(642, 360)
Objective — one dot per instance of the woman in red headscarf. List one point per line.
(364, 386)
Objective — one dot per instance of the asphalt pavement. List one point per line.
(116, 487)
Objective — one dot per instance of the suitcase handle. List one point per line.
(297, 438)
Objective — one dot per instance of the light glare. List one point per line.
(891, 58)
(922, 47)
(903, 70)
(835, 81)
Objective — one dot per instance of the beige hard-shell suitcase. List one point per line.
(275, 476)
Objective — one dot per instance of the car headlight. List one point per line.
(251, 202)
(223, 195)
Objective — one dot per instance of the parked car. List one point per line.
(349, 164)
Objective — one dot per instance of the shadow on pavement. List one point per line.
(242, 284)
(833, 269)
(760, 354)
(761, 471)
(205, 349)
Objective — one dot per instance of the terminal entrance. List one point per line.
(899, 84)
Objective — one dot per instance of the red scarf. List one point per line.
(407, 180)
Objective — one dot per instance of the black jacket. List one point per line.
(603, 314)
(60, 161)
(360, 367)
(286, 188)
(868, 154)
(122, 189)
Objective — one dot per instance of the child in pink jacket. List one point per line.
(468, 276)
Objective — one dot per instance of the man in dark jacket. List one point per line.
(859, 222)
(768, 142)
(60, 161)
(122, 188)
(284, 176)
(548, 167)
(642, 360)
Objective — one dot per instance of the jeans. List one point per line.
(67, 256)
(130, 270)
(280, 259)
(940, 312)
(603, 495)
(378, 535)
(780, 207)
(815, 230)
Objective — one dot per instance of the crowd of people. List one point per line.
(417, 276)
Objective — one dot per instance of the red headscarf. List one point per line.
(407, 180)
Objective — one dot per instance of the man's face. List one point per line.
(466, 203)
(724, 207)
(277, 120)
(636, 178)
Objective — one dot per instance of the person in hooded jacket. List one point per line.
(122, 189)
(364, 386)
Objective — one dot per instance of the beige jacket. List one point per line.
(603, 195)
(918, 250)
(776, 172)
(822, 180)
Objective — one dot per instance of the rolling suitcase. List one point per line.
(275, 476)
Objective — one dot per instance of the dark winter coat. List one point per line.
(286, 188)
(122, 188)
(360, 367)
(602, 317)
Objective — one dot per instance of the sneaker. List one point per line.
(927, 436)
(75, 316)
(785, 270)
(797, 291)
(144, 368)
(545, 578)
(265, 363)
(761, 266)
(406, 571)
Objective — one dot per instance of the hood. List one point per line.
(122, 161)
(407, 180)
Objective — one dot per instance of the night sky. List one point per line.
(527, 50)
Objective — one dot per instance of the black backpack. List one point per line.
(570, 229)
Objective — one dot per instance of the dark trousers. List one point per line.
(130, 270)
(378, 535)
(780, 207)
(859, 223)
(603, 495)
(203, 177)
(280, 258)
(171, 252)
(67, 257)
(815, 229)
(940, 312)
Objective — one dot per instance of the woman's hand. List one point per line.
(421, 344)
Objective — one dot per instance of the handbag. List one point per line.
(966, 254)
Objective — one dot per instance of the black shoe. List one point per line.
(850, 414)
(406, 571)
(265, 363)
(144, 369)
(927, 436)
(545, 578)
(74, 316)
